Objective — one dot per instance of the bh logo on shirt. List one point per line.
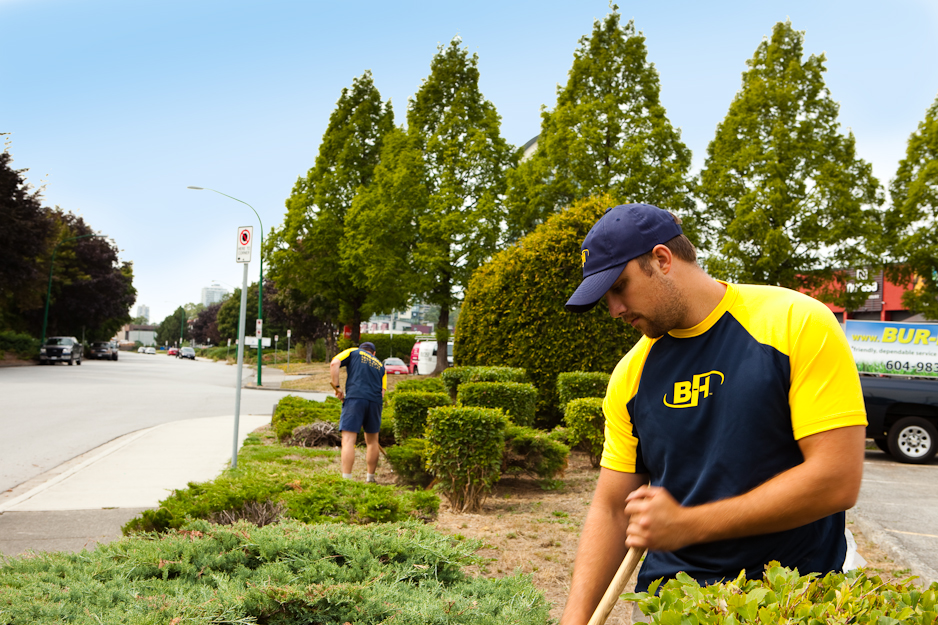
(688, 394)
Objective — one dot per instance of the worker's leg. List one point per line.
(348, 451)
(371, 452)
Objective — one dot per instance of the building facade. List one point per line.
(213, 294)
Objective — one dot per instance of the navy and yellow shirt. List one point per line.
(713, 411)
(366, 376)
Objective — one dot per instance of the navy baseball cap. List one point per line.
(623, 233)
(368, 346)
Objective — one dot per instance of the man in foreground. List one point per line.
(734, 428)
(365, 385)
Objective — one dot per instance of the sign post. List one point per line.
(288, 352)
(276, 339)
(243, 256)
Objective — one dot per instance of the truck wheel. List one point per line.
(913, 440)
(882, 443)
(71, 361)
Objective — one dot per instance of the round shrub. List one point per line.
(410, 412)
(517, 400)
(409, 460)
(454, 376)
(586, 426)
(513, 310)
(533, 452)
(577, 384)
(465, 451)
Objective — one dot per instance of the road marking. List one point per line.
(911, 533)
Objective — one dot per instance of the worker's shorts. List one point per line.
(360, 413)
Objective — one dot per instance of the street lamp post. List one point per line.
(260, 284)
(182, 326)
(45, 316)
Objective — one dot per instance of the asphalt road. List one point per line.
(51, 414)
(902, 500)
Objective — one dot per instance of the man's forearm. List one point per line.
(602, 546)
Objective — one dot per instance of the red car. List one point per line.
(172, 351)
(395, 366)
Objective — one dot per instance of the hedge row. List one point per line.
(454, 376)
(515, 399)
(586, 426)
(578, 384)
(426, 385)
(287, 573)
(23, 345)
(386, 345)
(410, 412)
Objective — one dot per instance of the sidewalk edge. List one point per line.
(883, 539)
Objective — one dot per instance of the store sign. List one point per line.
(894, 348)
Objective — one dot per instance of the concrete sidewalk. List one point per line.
(271, 378)
(86, 500)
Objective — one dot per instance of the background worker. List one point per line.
(365, 384)
(735, 426)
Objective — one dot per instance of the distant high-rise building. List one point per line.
(143, 311)
(213, 294)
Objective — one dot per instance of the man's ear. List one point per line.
(662, 254)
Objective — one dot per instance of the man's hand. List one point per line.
(656, 520)
(339, 394)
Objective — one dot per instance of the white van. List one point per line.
(425, 361)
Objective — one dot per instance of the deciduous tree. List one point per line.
(912, 220)
(790, 203)
(608, 133)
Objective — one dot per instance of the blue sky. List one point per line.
(116, 107)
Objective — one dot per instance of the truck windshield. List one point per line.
(59, 340)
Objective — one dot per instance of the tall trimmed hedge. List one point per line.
(513, 310)
(578, 384)
(386, 345)
(465, 451)
(410, 412)
(517, 400)
(454, 376)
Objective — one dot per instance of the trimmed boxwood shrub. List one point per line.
(513, 310)
(409, 461)
(465, 451)
(454, 376)
(410, 412)
(586, 426)
(577, 384)
(292, 411)
(426, 385)
(288, 574)
(517, 400)
(533, 452)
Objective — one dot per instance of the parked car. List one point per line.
(903, 416)
(103, 350)
(173, 351)
(61, 349)
(150, 350)
(141, 350)
(186, 352)
(395, 366)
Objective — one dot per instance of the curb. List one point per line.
(876, 533)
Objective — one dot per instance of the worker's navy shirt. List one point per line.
(366, 376)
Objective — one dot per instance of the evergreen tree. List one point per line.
(789, 201)
(306, 253)
(464, 163)
(609, 133)
(913, 217)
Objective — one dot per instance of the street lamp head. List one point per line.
(196, 188)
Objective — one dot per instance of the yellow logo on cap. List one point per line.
(584, 254)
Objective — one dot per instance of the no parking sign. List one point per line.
(245, 243)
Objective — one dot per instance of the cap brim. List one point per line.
(592, 289)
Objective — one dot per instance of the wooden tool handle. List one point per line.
(616, 586)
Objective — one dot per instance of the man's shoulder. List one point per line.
(774, 301)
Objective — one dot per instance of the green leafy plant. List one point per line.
(286, 573)
(533, 452)
(23, 345)
(454, 376)
(292, 411)
(409, 461)
(577, 384)
(784, 596)
(465, 451)
(586, 426)
(410, 412)
(516, 399)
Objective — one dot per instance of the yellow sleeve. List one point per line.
(825, 389)
(620, 450)
(384, 381)
(343, 355)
